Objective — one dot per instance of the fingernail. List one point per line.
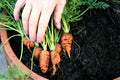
(38, 40)
(59, 26)
(26, 32)
(32, 39)
(16, 18)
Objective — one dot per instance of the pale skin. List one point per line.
(36, 15)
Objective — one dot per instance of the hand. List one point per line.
(36, 15)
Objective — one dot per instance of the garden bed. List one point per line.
(95, 51)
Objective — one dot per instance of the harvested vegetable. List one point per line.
(66, 38)
(37, 52)
(66, 42)
(55, 59)
(28, 43)
(25, 41)
(44, 57)
(44, 61)
(58, 48)
(53, 37)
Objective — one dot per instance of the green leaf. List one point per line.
(11, 70)
(100, 5)
(74, 8)
(2, 76)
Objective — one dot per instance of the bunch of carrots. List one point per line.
(56, 40)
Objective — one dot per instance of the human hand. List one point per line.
(36, 15)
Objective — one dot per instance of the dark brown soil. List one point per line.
(95, 51)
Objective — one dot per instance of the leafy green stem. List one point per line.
(44, 44)
(31, 67)
(66, 26)
(77, 17)
(1, 23)
(52, 35)
(21, 54)
(20, 27)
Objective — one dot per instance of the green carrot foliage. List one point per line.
(14, 73)
(74, 10)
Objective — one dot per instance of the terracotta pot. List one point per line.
(12, 58)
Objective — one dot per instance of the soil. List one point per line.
(95, 51)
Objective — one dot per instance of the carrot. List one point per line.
(28, 43)
(44, 60)
(37, 52)
(66, 38)
(58, 48)
(31, 44)
(55, 59)
(54, 70)
(25, 41)
(66, 42)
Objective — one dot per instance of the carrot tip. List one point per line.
(54, 70)
(69, 55)
(29, 47)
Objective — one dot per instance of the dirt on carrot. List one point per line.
(37, 52)
(66, 42)
(44, 60)
(55, 59)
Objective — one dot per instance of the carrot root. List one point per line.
(37, 52)
(55, 59)
(44, 60)
(58, 47)
(28, 43)
(66, 42)
(25, 41)
(54, 70)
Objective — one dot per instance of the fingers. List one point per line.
(44, 19)
(36, 15)
(25, 16)
(19, 4)
(42, 26)
(58, 13)
(33, 23)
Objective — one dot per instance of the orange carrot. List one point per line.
(44, 60)
(25, 41)
(66, 42)
(54, 70)
(58, 48)
(28, 43)
(37, 52)
(55, 59)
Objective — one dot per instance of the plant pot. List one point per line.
(12, 58)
